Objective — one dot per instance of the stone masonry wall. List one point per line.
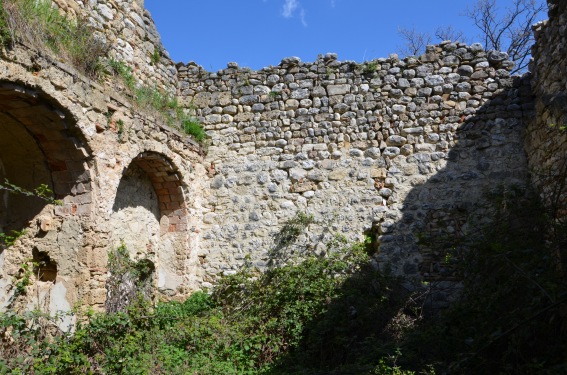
(130, 32)
(94, 149)
(546, 142)
(392, 148)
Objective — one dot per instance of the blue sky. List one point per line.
(259, 33)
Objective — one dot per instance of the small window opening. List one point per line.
(45, 269)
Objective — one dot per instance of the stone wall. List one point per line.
(96, 150)
(547, 135)
(392, 148)
(546, 141)
(130, 32)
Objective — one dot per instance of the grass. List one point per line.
(37, 24)
(154, 99)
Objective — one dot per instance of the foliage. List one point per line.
(155, 57)
(42, 192)
(128, 279)
(25, 339)
(332, 314)
(192, 126)
(23, 279)
(274, 95)
(293, 228)
(39, 25)
(7, 240)
(509, 318)
(152, 98)
(5, 34)
(252, 323)
(370, 67)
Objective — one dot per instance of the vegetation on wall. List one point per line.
(286, 320)
(42, 192)
(129, 279)
(37, 24)
(334, 313)
(152, 98)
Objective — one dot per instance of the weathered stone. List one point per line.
(333, 90)
(406, 141)
(396, 140)
(338, 174)
(302, 186)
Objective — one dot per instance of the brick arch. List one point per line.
(167, 183)
(40, 144)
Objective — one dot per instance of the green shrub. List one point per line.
(193, 127)
(252, 323)
(508, 319)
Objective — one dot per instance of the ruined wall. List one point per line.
(392, 148)
(546, 141)
(97, 151)
(132, 36)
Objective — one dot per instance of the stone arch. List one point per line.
(167, 184)
(150, 216)
(39, 144)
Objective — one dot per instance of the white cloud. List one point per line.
(289, 8)
(302, 17)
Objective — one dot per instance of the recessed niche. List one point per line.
(45, 269)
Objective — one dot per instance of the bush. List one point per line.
(509, 318)
(193, 127)
(252, 323)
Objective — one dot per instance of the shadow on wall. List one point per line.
(446, 209)
(448, 204)
(136, 215)
(136, 190)
(39, 146)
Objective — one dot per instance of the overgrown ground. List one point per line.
(333, 314)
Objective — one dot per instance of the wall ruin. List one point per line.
(66, 120)
(392, 149)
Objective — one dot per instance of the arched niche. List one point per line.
(39, 144)
(167, 184)
(150, 216)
